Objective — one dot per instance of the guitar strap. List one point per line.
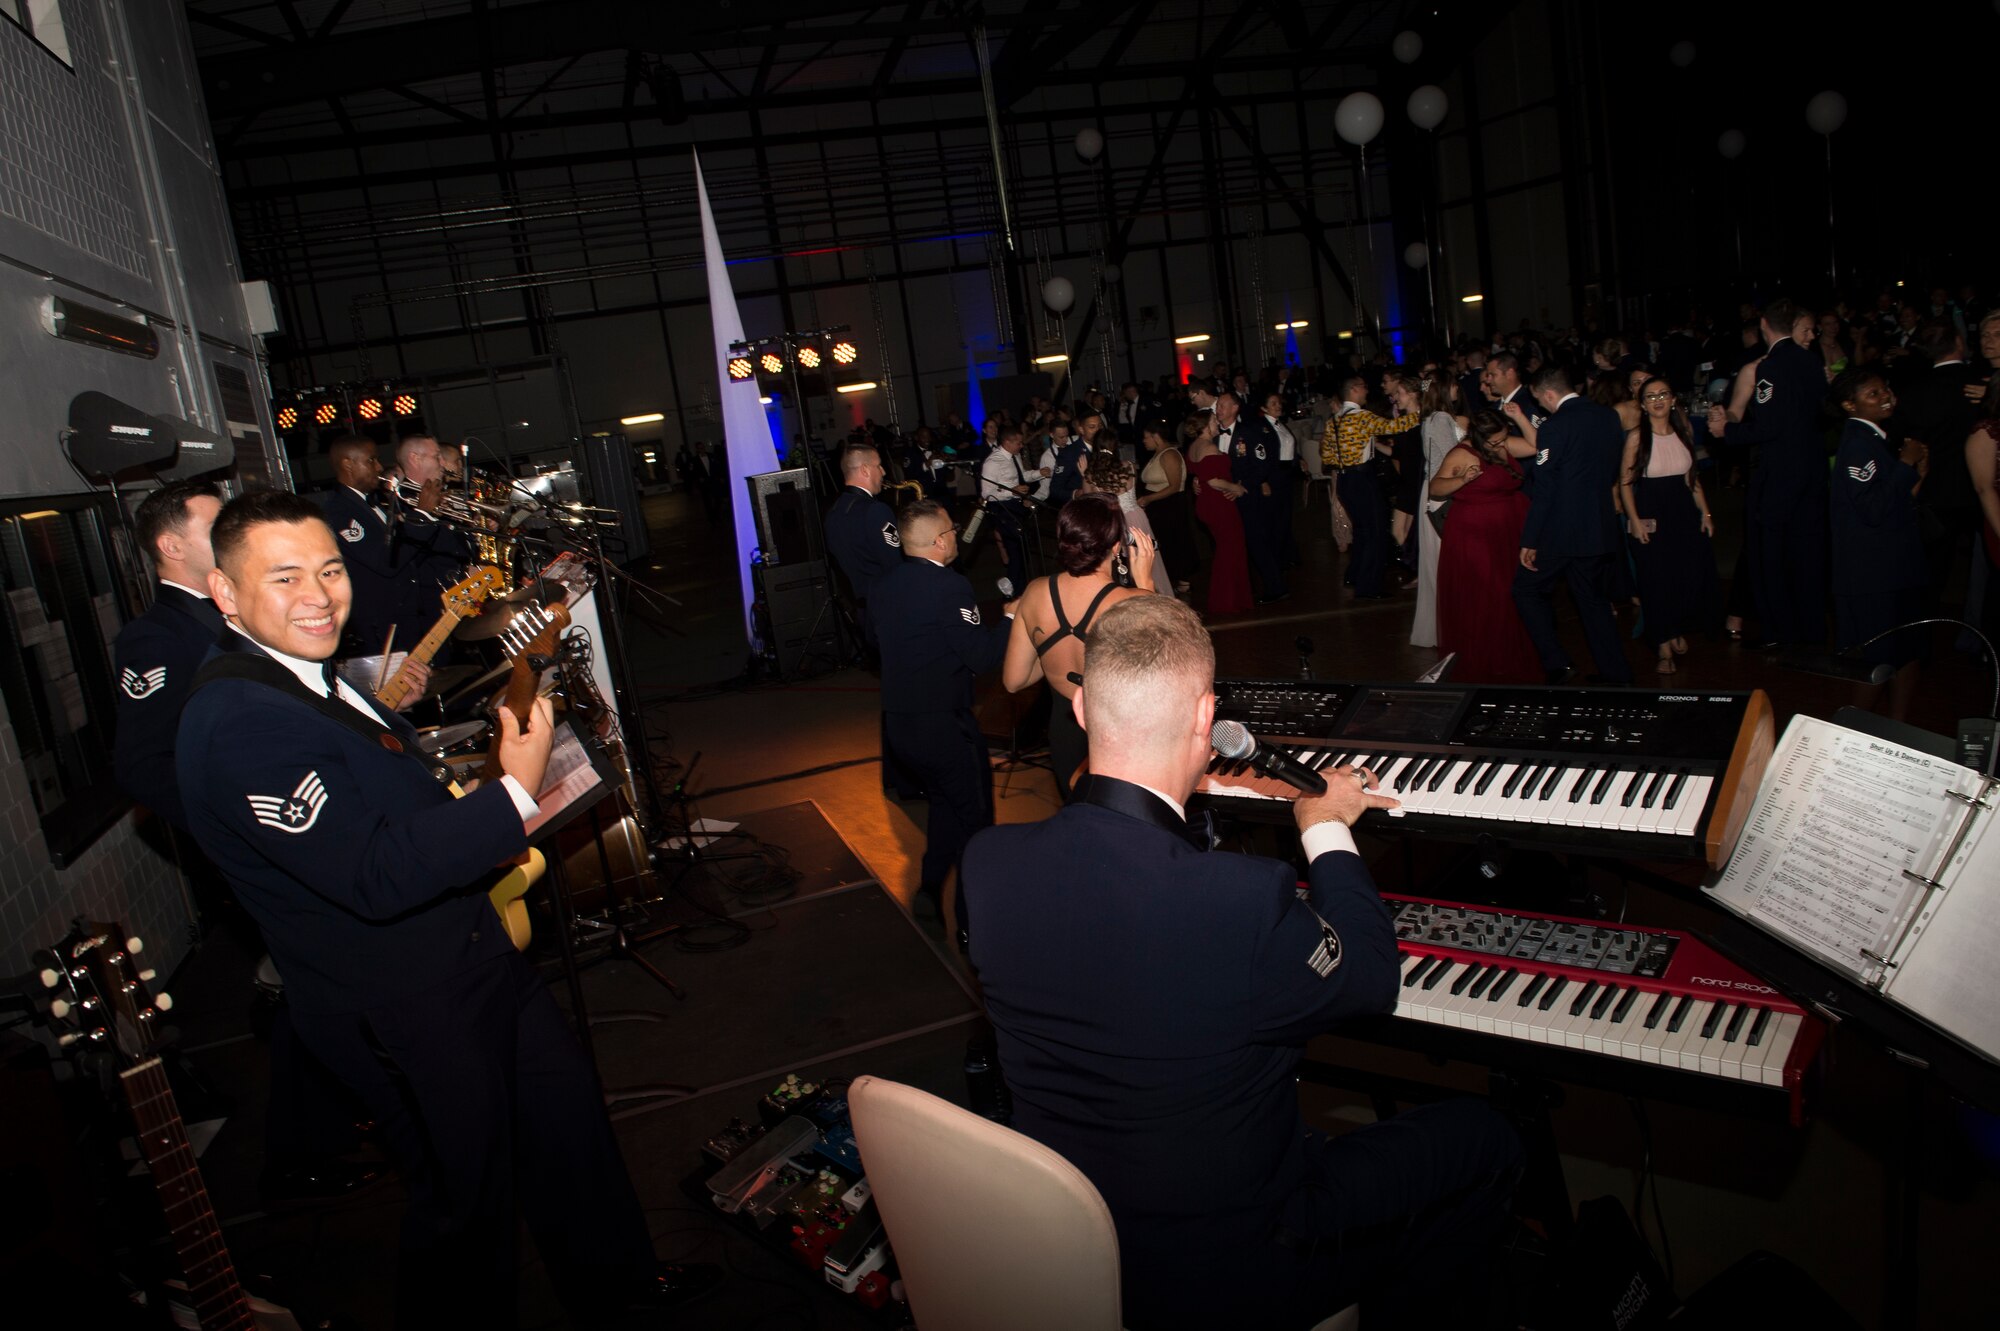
(243, 661)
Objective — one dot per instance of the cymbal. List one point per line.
(438, 740)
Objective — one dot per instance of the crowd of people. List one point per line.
(1450, 479)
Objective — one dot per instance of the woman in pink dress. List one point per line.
(1215, 496)
(1480, 550)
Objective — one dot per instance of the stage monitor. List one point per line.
(787, 516)
(108, 438)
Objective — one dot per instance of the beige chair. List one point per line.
(972, 1207)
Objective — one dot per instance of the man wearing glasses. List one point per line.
(934, 640)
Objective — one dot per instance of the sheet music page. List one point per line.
(1944, 970)
(1839, 817)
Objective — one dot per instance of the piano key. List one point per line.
(1605, 1000)
(1437, 974)
(1655, 1013)
(1682, 1010)
(1694, 802)
(1550, 994)
(1583, 997)
(1472, 771)
(1674, 787)
(1715, 1013)
(1631, 789)
(1411, 974)
(1779, 1042)
(1603, 784)
(1486, 776)
(1549, 782)
(1758, 1026)
(1736, 1020)
(1464, 978)
(1486, 978)
(1514, 782)
(1625, 1004)
(1581, 784)
(1503, 984)
(1444, 768)
(1534, 987)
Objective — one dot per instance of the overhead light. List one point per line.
(855, 388)
(288, 417)
(1296, 323)
(771, 362)
(764, 401)
(1472, 299)
(38, 513)
(650, 457)
(809, 357)
(844, 353)
(1190, 339)
(1899, 281)
(368, 408)
(646, 418)
(600, 434)
(404, 404)
(740, 367)
(1056, 359)
(1345, 334)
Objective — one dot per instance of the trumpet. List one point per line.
(458, 506)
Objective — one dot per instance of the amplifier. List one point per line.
(788, 529)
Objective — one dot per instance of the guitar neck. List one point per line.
(397, 691)
(218, 1298)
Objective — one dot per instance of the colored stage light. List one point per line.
(288, 417)
(809, 358)
(325, 414)
(771, 362)
(405, 404)
(844, 353)
(368, 408)
(740, 367)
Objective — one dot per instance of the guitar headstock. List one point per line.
(99, 993)
(462, 598)
(534, 632)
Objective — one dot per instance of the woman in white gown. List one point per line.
(1441, 434)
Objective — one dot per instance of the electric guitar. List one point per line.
(99, 996)
(461, 600)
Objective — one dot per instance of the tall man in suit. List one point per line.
(1935, 411)
(1572, 531)
(1501, 382)
(1787, 498)
(363, 873)
(1252, 446)
(1152, 998)
(1008, 486)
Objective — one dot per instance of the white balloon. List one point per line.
(1089, 143)
(1407, 47)
(1358, 118)
(1112, 272)
(1417, 254)
(1826, 112)
(1731, 144)
(1427, 106)
(1058, 294)
(1682, 54)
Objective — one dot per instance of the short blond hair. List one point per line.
(1144, 657)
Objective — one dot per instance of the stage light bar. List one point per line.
(771, 362)
(645, 418)
(809, 358)
(1190, 339)
(1057, 359)
(741, 367)
(368, 408)
(1472, 299)
(855, 388)
(404, 404)
(288, 418)
(325, 414)
(844, 353)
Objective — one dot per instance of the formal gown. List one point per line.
(1441, 435)
(1136, 519)
(1476, 562)
(1173, 527)
(1229, 575)
(1679, 592)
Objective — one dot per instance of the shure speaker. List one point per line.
(607, 471)
(804, 632)
(787, 519)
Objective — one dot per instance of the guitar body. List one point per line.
(507, 892)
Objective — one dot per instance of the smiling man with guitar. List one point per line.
(367, 878)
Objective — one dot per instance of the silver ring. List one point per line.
(1361, 777)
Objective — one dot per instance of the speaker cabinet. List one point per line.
(608, 472)
(802, 621)
(788, 523)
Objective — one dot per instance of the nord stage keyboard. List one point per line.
(1625, 772)
(1592, 992)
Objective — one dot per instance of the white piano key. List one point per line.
(1692, 801)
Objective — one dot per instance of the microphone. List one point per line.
(1235, 743)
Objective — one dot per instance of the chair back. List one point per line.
(992, 1230)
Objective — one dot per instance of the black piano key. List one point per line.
(1549, 996)
(1603, 784)
(1708, 1028)
(1583, 997)
(1431, 769)
(1679, 1019)
(1443, 770)
(1534, 987)
(1513, 783)
(1400, 765)
(1471, 774)
(1581, 784)
(1341, 760)
(1417, 971)
(1632, 790)
(1502, 985)
(1653, 788)
(1674, 791)
(1735, 1026)
(1550, 782)
(1603, 1004)
(1437, 974)
(1323, 761)
(1404, 771)
(1624, 1008)
(1485, 981)
(1658, 1010)
(1756, 1036)
(1479, 786)
(1471, 969)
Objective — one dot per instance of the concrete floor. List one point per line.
(1726, 1186)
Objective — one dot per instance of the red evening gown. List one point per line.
(1229, 575)
(1476, 562)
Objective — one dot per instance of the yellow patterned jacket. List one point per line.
(1347, 437)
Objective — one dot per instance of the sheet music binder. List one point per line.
(1880, 861)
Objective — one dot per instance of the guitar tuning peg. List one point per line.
(163, 1000)
(68, 1038)
(135, 945)
(50, 977)
(149, 975)
(59, 1009)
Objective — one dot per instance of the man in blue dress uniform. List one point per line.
(364, 874)
(1252, 446)
(397, 555)
(1152, 999)
(1572, 531)
(861, 532)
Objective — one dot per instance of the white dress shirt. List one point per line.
(1002, 471)
(1317, 839)
(1288, 447)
